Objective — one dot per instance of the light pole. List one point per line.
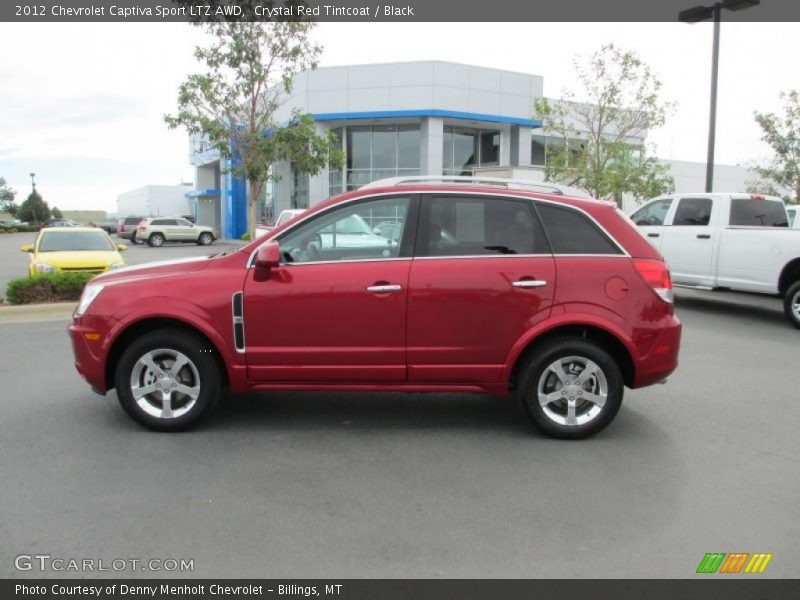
(33, 183)
(704, 13)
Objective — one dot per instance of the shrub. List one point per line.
(47, 287)
(246, 236)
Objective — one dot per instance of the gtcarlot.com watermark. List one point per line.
(56, 564)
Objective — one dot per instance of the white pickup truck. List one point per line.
(727, 241)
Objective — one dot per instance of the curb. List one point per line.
(33, 313)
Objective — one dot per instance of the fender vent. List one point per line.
(237, 307)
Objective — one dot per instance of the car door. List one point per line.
(482, 275)
(650, 219)
(688, 242)
(184, 231)
(331, 313)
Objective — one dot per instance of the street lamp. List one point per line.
(704, 13)
(33, 183)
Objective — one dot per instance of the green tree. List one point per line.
(249, 71)
(34, 209)
(595, 142)
(7, 198)
(782, 132)
(56, 213)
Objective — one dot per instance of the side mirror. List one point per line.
(268, 256)
(122, 247)
(26, 248)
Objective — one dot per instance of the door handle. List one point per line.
(529, 283)
(652, 235)
(703, 236)
(384, 289)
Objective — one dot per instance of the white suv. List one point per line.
(157, 230)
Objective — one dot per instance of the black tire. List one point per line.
(205, 239)
(791, 304)
(553, 417)
(201, 373)
(156, 240)
(136, 240)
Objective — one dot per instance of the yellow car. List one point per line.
(69, 249)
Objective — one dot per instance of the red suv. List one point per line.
(487, 287)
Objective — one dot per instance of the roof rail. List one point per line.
(550, 188)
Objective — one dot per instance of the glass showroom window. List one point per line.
(464, 148)
(300, 184)
(380, 151)
(336, 177)
(545, 148)
(265, 208)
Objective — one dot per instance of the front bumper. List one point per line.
(88, 336)
(662, 359)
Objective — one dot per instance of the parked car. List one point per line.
(9, 223)
(727, 242)
(126, 228)
(73, 249)
(557, 301)
(158, 230)
(389, 229)
(62, 223)
(107, 226)
(792, 212)
(283, 218)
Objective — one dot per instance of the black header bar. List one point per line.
(373, 10)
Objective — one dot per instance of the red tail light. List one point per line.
(656, 275)
(122, 228)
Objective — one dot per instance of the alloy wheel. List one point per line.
(165, 383)
(572, 391)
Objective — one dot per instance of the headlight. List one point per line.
(116, 265)
(90, 292)
(44, 268)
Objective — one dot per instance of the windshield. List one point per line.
(287, 216)
(56, 241)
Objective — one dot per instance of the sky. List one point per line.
(82, 105)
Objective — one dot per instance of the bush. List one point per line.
(246, 236)
(47, 287)
(20, 229)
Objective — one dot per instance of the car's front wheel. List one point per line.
(205, 239)
(571, 388)
(155, 240)
(167, 379)
(791, 304)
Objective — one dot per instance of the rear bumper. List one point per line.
(662, 359)
(87, 335)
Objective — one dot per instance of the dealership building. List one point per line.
(402, 119)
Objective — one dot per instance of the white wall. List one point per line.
(414, 86)
(155, 200)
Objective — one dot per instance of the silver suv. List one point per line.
(157, 230)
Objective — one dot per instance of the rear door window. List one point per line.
(750, 212)
(693, 211)
(572, 232)
(478, 226)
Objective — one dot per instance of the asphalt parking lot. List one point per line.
(14, 263)
(410, 485)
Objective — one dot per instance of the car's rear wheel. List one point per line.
(571, 388)
(166, 380)
(791, 304)
(136, 240)
(205, 239)
(156, 240)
